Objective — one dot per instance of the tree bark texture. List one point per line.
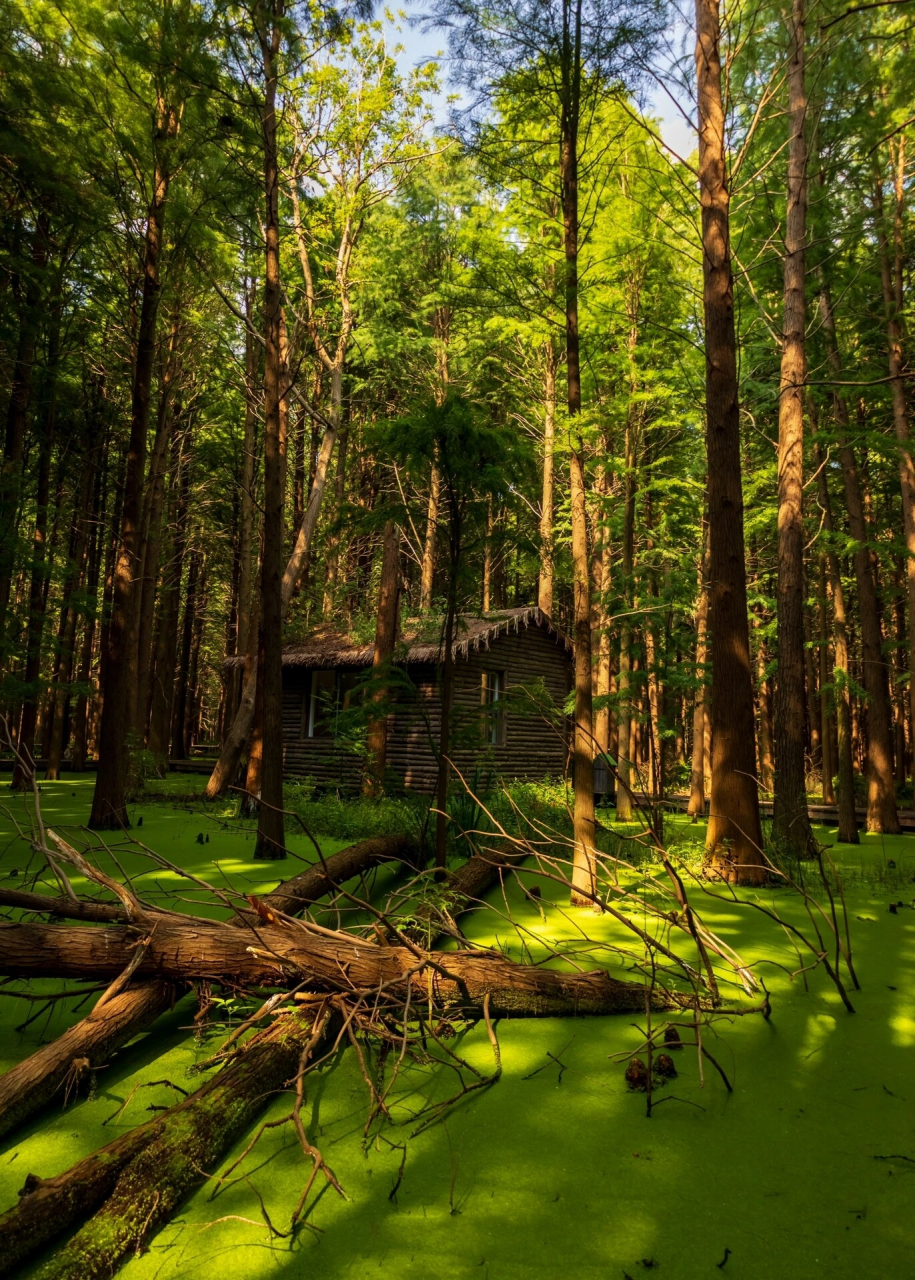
(791, 824)
(270, 833)
(109, 808)
(734, 839)
(282, 956)
(385, 641)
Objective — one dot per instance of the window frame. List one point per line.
(492, 695)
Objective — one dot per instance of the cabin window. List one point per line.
(492, 693)
(329, 693)
(321, 708)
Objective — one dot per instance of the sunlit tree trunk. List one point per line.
(109, 809)
(696, 806)
(270, 844)
(625, 754)
(791, 824)
(545, 575)
(734, 837)
(385, 641)
(845, 776)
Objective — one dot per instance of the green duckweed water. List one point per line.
(807, 1169)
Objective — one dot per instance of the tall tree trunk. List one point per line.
(882, 813)
(892, 287)
(385, 640)
(270, 832)
(584, 867)
(109, 802)
(734, 838)
(545, 575)
(791, 823)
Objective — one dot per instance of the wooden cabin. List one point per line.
(513, 672)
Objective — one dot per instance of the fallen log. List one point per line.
(268, 955)
(135, 1183)
(32, 1083)
(65, 908)
(293, 896)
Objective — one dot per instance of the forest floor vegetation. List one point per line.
(805, 1169)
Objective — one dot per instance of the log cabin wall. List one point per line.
(528, 744)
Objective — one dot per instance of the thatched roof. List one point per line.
(324, 647)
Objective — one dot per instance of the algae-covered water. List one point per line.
(807, 1169)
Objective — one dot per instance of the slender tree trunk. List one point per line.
(56, 739)
(163, 686)
(332, 566)
(109, 803)
(901, 675)
(624, 682)
(766, 730)
(270, 832)
(882, 814)
(602, 562)
(827, 726)
(447, 699)
(150, 540)
(427, 573)
(584, 867)
(192, 727)
(84, 672)
(486, 594)
(226, 766)
(696, 806)
(35, 638)
(791, 824)
(734, 838)
(385, 641)
(545, 576)
(180, 706)
(845, 777)
(17, 415)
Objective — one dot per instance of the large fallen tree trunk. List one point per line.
(54, 1068)
(136, 1183)
(268, 955)
(293, 896)
(31, 1084)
